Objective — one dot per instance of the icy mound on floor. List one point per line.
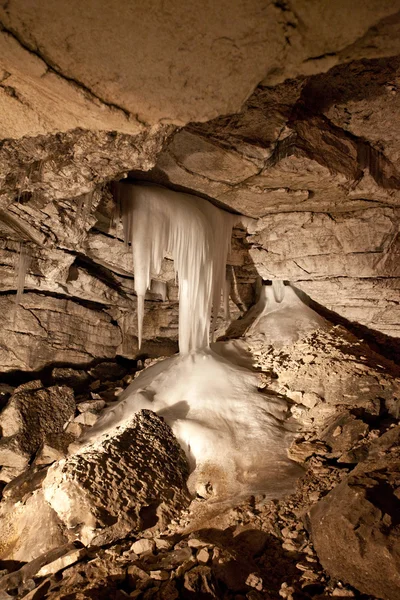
(234, 436)
(280, 317)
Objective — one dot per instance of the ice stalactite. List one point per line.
(21, 267)
(159, 222)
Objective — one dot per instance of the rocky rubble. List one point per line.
(256, 550)
(288, 548)
(359, 519)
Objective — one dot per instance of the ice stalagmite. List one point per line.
(197, 235)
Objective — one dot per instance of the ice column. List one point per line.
(159, 222)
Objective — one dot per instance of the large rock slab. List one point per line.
(130, 480)
(356, 528)
(164, 65)
(347, 262)
(49, 329)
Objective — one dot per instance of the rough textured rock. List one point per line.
(49, 329)
(318, 170)
(132, 480)
(28, 422)
(359, 520)
(257, 549)
(163, 65)
(329, 371)
(323, 190)
(128, 481)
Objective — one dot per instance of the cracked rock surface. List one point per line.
(302, 139)
(128, 65)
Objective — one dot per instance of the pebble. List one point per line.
(186, 566)
(202, 556)
(159, 575)
(74, 429)
(135, 573)
(342, 593)
(253, 580)
(86, 418)
(90, 405)
(286, 591)
(195, 543)
(162, 544)
(143, 546)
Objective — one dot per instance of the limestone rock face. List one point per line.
(125, 482)
(355, 528)
(58, 330)
(118, 67)
(302, 138)
(324, 194)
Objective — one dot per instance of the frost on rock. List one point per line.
(196, 234)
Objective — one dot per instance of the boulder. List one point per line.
(126, 481)
(355, 529)
(131, 479)
(29, 417)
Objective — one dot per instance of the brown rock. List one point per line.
(355, 530)
(31, 415)
(140, 466)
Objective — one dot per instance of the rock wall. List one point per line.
(302, 139)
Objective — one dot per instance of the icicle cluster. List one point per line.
(159, 222)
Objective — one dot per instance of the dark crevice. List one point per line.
(98, 271)
(90, 304)
(385, 345)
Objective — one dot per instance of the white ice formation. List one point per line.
(280, 317)
(197, 234)
(235, 437)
